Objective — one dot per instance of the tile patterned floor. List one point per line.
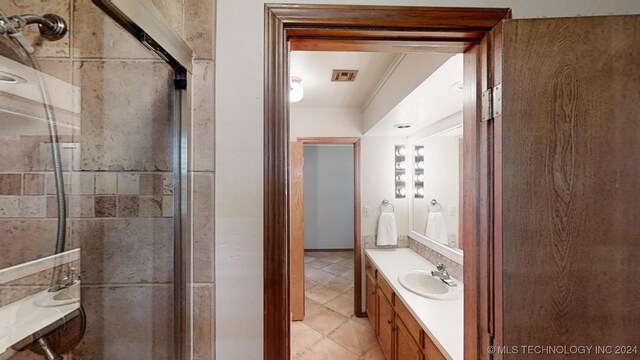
(330, 330)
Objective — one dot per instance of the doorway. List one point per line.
(366, 28)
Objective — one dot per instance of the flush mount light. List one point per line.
(403, 126)
(8, 78)
(296, 91)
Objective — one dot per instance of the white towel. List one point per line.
(437, 228)
(387, 230)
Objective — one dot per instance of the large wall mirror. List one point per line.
(436, 199)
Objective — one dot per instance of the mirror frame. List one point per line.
(446, 124)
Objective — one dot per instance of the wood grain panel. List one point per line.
(571, 150)
(277, 311)
(470, 209)
(406, 347)
(452, 47)
(385, 288)
(370, 293)
(406, 18)
(412, 327)
(296, 226)
(385, 325)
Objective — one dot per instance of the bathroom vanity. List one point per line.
(408, 325)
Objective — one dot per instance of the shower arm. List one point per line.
(52, 27)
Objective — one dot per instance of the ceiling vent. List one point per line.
(344, 75)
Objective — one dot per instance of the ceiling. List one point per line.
(433, 97)
(315, 69)
(436, 98)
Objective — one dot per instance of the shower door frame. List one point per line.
(145, 22)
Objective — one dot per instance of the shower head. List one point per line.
(52, 27)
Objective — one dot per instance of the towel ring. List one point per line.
(434, 206)
(387, 203)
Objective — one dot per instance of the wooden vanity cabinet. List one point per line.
(371, 301)
(400, 335)
(386, 325)
(406, 348)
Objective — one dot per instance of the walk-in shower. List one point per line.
(92, 172)
(52, 28)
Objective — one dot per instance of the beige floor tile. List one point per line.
(339, 286)
(316, 254)
(318, 263)
(354, 337)
(324, 319)
(318, 275)
(322, 293)
(364, 321)
(332, 257)
(331, 331)
(336, 269)
(348, 263)
(374, 353)
(343, 304)
(349, 275)
(302, 337)
(309, 305)
(326, 350)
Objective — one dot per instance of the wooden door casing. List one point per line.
(296, 225)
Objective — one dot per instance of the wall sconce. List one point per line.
(296, 91)
(418, 172)
(401, 171)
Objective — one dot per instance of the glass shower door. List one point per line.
(113, 101)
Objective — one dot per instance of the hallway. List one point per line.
(330, 330)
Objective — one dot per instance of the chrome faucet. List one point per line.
(65, 281)
(443, 275)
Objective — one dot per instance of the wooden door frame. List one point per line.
(368, 28)
(357, 245)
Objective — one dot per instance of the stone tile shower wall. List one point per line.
(119, 180)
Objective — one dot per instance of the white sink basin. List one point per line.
(422, 283)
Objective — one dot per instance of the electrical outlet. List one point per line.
(366, 211)
(452, 211)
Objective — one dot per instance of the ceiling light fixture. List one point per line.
(296, 91)
(403, 126)
(457, 86)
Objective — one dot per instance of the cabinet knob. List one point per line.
(389, 322)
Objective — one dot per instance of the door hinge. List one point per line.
(492, 103)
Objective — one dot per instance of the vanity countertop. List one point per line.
(442, 320)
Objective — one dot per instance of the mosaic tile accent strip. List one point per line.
(435, 257)
(369, 242)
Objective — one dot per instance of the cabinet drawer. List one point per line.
(385, 288)
(369, 268)
(431, 350)
(410, 323)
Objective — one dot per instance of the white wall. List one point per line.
(239, 156)
(328, 197)
(377, 171)
(322, 122)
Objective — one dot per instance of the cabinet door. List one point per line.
(385, 325)
(406, 348)
(371, 302)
